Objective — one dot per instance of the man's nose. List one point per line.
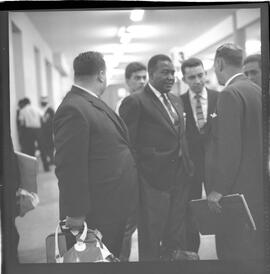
(171, 76)
(197, 80)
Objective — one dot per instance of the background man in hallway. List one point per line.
(252, 68)
(95, 168)
(47, 133)
(135, 75)
(234, 162)
(156, 127)
(199, 103)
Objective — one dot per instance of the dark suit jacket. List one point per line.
(234, 155)
(154, 138)
(94, 165)
(196, 140)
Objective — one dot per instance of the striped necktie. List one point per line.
(199, 112)
(170, 109)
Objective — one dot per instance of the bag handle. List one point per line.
(81, 239)
(58, 258)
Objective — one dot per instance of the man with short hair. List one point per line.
(95, 168)
(253, 68)
(135, 75)
(199, 104)
(155, 121)
(234, 155)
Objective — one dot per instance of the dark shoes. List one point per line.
(180, 255)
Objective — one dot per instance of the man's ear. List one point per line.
(220, 64)
(101, 76)
(183, 78)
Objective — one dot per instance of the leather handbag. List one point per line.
(88, 247)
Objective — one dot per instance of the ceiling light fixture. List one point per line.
(136, 15)
(121, 31)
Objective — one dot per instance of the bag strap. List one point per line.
(84, 233)
(58, 258)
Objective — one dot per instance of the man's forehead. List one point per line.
(165, 64)
(139, 73)
(251, 65)
(194, 70)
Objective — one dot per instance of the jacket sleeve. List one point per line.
(228, 141)
(71, 132)
(130, 112)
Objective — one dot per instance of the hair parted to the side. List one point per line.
(88, 63)
(155, 59)
(191, 63)
(231, 54)
(133, 67)
(253, 58)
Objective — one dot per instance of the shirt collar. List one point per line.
(156, 92)
(88, 91)
(203, 94)
(231, 78)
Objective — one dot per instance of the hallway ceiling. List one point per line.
(72, 32)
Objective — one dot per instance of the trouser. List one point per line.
(29, 138)
(243, 244)
(46, 151)
(129, 230)
(195, 192)
(161, 222)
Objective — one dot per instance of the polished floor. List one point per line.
(36, 225)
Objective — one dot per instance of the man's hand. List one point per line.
(213, 201)
(75, 223)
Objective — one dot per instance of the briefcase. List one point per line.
(63, 247)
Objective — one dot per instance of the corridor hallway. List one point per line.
(37, 224)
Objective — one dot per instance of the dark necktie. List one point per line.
(199, 112)
(170, 109)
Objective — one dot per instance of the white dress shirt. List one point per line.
(87, 90)
(204, 103)
(30, 117)
(159, 96)
(234, 76)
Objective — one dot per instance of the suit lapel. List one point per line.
(190, 111)
(98, 103)
(179, 109)
(211, 104)
(159, 106)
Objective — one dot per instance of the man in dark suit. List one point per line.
(199, 103)
(155, 121)
(46, 135)
(96, 171)
(234, 155)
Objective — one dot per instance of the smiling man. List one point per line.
(155, 121)
(199, 104)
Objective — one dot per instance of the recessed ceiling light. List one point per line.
(136, 15)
